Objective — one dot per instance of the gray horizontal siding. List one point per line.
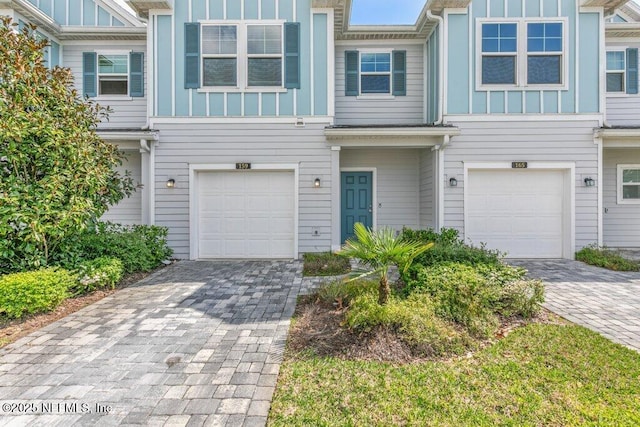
(427, 188)
(125, 113)
(397, 183)
(621, 223)
(182, 145)
(553, 141)
(128, 210)
(622, 110)
(398, 110)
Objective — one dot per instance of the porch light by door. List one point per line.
(453, 182)
(589, 182)
(171, 183)
(316, 183)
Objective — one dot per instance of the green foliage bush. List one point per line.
(606, 258)
(521, 298)
(34, 292)
(325, 264)
(103, 272)
(345, 292)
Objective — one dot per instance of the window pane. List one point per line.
(615, 82)
(630, 192)
(631, 176)
(489, 30)
(376, 84)
(499, 70)
(264, 39)
(544, 70)
(113, 64)
(544, 37)
(265, 72)
(535, 45)
(508, 30)
(220, 72)
(553, 30)
(499, 37)
(535, 30)
(490, 45)
(219, 40)
(615, 61)
(113, 86)
(375, 62)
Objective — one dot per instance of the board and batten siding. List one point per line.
(531, 141)
(582, 95)
(397, 182)
(217, 144)
(622, 108)
(428, 202)
(433, 76)
(77, 12)
(311, 99)
(358, 110)
(621, 223)
(128, 210)
(127, 112)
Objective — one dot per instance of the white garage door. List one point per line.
(246, 214)
(517, 211)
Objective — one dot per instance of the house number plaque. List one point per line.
(243, 166)
(519, 165)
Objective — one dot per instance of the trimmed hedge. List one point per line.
(34, 292)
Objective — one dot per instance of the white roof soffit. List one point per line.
(38, 17)
(121, 13)
(406, 136)
(609, 5)
(102, 33)
(142, 7)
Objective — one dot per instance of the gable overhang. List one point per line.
(628, 137)
(609, 5)
(389, 136)
(102, 33)
(142, 7)
(621, 30)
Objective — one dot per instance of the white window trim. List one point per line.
(105, 52)
(522, 54)
(204, 56)
(622, 201)
(242, 57)
(624, 72)
(362, 95)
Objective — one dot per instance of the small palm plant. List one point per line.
(379, 250)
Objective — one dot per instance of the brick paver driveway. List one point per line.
(198, 343)
(605, 301)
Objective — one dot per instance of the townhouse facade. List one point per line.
(267, 128)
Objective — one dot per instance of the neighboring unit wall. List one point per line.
(542, 141)
(316, 68)
(127, 112)
(428, 201)
(382, 109)
(398, 189)
(623, 109)
(229, 143)
(129, 209)
(78, 12)
(621, 222)
(432, 76)
(582, 92)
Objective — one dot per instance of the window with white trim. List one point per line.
(113, 74)
(521, 53)
(264, 55)
(629, 184)
(375, 73)
(616, 68)
(219, 55)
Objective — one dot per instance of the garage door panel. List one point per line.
(246, 214)
(518, 212)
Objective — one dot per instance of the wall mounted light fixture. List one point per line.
(316, 183)
(171, 183)
(453, 182)
(589, 182)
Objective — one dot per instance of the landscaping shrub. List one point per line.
(103, 272)
(34, 292)
(521, 298)
(344, 292)
(606, 258)
(325, 264)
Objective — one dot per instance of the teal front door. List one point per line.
(357, 201)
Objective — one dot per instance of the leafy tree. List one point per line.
(56, 174)
(379, 250)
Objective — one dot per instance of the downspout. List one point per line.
(440, 22)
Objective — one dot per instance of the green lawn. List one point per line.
(540, 375)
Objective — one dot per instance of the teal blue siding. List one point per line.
(46, 7)
(458, 79)
(497, 7)
(589, 80)
(304, 93)
(88, 13)
(550, 8)
(285, 10)
(568, 98)
(320, 75)
(497, 102)
(216, 104)
(515, 9)
(54, 54)
(104, 18)
(74, 12)
(117, 23)
(216, 9)
(479, 102)
(181, 95)
(251, 104)
(60, 12)
(268, 9)
(532, 8)
(618, 18)
(550, 102)
(286, 103)
(234, 104)
(514, 101)
(433, 71)
(199, 100)
(198, 10)
(234, 9)
(532, 102)
(250, 9)
(269, 104)
(165, 97)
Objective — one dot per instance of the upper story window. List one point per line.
(233, 56)
(370, 72)
(521, 53)
(628, 184)
(113, 74)
(622, 71)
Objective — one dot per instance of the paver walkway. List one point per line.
(605, 301)
(197, 343)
